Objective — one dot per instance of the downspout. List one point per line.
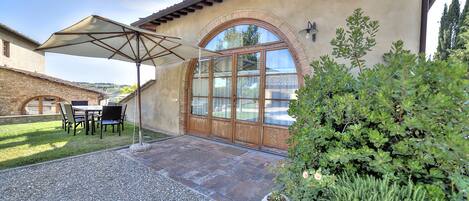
(423, 25)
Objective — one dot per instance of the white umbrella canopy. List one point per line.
(99, 37)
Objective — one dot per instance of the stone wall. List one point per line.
(20, 119)
(17, 89)
(165, 103)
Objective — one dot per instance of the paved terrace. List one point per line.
(183, 168)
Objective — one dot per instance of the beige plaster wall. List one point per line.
(163, 103)
(22, 54)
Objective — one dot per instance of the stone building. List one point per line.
(24, 88)
(242, 97)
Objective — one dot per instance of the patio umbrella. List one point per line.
(99, 37)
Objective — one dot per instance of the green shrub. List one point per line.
(406, 118)
(368, 188)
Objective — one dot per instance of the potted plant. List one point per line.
(275, 196)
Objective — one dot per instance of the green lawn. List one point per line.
(23, 144)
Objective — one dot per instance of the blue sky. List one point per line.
(39, 18)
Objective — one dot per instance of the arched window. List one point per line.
(42, 105)
(238, 95)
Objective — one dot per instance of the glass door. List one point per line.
(248, 71)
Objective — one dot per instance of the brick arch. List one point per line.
(21, 108)
(289, 33)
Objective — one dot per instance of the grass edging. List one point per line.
(81, 155)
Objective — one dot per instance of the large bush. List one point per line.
(406, 118)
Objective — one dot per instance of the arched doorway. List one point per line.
(41, 105)
(242, 96)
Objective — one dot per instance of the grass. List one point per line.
(23, 144)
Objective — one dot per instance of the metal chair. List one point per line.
(64, 117)
(111, 116)
(124, 108)
(79, 102)
(72, 119)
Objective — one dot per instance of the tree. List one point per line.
(442, 49)
(463, 26)
(453, 19)
(128, 89)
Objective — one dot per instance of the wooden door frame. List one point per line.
(283, 43)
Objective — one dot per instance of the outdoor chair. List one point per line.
(124, 108)
(111, 115)
(73, 121)
(64, 117)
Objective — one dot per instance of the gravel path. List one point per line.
(101, 176)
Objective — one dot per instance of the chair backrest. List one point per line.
(62, 111)
(79, 103)
(112, 103)
(124, 108)
(111, 112)
(69, 113)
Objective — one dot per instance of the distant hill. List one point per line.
(112, 90)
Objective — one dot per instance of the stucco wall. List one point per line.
(399, 20)
(16, 89)
(22, 54)
(160, 101)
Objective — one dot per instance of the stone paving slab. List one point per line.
(217, 170)
(98, 176)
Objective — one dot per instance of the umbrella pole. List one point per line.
(139, 105)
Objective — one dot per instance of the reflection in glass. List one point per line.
(279, 61)
(221, 108)
(276, 113)
(222, 87)
(202, 70)
(281, 86)
(249, 64)
(222, 66)
(199, 106)
(248, 87)
(200, 87)
(247, 110)
(241, 36)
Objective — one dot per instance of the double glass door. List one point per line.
(235, 97)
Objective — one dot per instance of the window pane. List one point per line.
(248, 87)
(200, 87)
(247, 110)
(49, 105)
(276, 113)
(222, 87)
(221, 108)
(222, 66)
(279, 61)
(281, 86)
(199, 106)
(241, 36)
(33, 106)
(249, 64)
(202, 70)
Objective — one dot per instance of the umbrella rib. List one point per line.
(145, 46)
(109, 48)
(151, 49)
(88, 41)
(130, 44)
(160, 54)
(163, 47)
(128, 41)
(151, 58)
(86, 33)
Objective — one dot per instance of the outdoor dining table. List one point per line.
(88, 109)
